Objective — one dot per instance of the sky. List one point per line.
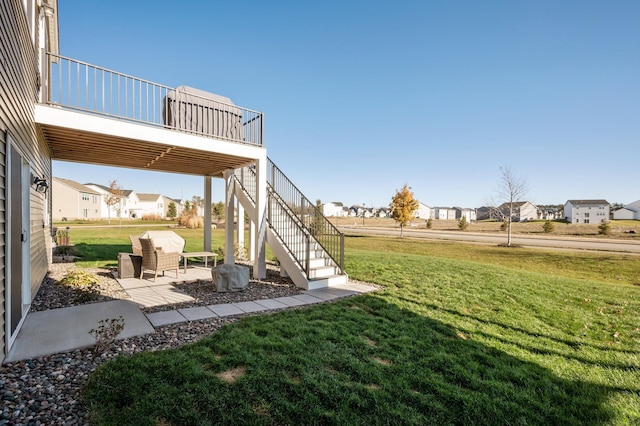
(362, 97)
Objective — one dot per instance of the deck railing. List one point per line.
(295, 219)
(81, 86)
(310, 215)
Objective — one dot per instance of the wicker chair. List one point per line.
(135, 245)
(157, 260)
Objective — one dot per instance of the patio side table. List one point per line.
(205, 254)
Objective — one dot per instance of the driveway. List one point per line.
(595, 244)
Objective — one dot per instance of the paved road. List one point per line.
(596, 244)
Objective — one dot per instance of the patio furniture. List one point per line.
(169, 241)
(135, 245)
(156, 259)
(205, 254)
(129, 264)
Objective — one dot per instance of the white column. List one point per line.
(259, 264)
(252, 240)
(207, 213)
(228, 215)
(240, 227)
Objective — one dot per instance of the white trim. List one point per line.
(25, 246)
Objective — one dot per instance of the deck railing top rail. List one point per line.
(81, 86)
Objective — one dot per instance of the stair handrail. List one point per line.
(314, 221)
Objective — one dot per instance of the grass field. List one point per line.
(620, 229)
(460, 334)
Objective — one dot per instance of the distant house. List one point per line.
(522, 211)
(334, 208)
(149, 204)
(72, 200)
(128, 199)
(629, 211)
(586, 211)
(549, 213)
(423, 212)
(487, 213)
(468, 214)
(167, 201)
(444, 213)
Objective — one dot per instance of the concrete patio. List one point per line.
(67, 329)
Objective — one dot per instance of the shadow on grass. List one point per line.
(357, 361)
(101, 252)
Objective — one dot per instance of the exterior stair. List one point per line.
(309, 248)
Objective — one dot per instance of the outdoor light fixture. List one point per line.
(40, 184)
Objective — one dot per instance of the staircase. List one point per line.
(309, 248)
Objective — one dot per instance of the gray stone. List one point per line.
(230, 277)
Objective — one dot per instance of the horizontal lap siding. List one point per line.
(18, 94)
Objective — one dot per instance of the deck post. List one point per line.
(240, 227)
(207, 213)
(228, 214)
(259, 265)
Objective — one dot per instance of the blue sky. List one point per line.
(361, 97)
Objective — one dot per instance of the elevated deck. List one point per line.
(98, 116)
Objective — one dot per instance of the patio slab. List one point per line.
(225, 310)
(290, 301)
(271, 304)
(307, 298)
(60, 330)
(198, 313)
(249, 307)
(159, 319)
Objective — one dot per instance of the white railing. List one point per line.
(81, 86)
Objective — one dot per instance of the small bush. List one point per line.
(429, 223)
(151, 217)
(64, 251)
(548, 227)
(504, 226)
(191, 222)
(604, 228)
(84, 285)
(106, 333)
(463, 224)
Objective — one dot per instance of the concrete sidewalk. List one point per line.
(67, 329)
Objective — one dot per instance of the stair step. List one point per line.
(322, 272)
(328, 282)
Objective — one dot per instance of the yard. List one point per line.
(620, 229)
(460, 334)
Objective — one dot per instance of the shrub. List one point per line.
(463, 224)
(604, 228)
(107, 332)
(548, 227)
(151, 217)
(83, 284)
(64, 251)
(504, 226)
(429, 223)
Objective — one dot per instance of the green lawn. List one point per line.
(460, 334)
(99, 247)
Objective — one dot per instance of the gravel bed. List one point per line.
(47, 390)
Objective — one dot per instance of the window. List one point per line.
(586, 215)
(586, 221)
(85, 197)
(94, 199)
(85, 213)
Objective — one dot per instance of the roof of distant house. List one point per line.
(587, 202)
(148, 197)
(75, 185)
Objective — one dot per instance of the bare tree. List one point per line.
(511, 189)
(113, 198)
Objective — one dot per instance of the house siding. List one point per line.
(18, 94)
